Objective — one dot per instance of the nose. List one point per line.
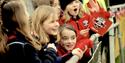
(74, 6)
(69, 41)
(57, 24)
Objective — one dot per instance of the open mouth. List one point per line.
(55, 30)
(75, 9)
(69, 46)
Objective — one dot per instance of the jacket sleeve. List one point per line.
(49, 56)
(66, 57)
(22, 53)
(26, 53)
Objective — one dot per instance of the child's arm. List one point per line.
(73, 59)
(77, 55)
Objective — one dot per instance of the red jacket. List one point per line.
(66, 55)
(79, 25)
(63, 54)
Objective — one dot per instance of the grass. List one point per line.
(118, 60)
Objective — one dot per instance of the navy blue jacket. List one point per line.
(21, 51)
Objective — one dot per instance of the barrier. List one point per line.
(96, 57)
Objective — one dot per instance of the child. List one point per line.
(45, 28)
(22, 46)
(67, 44)
(74, 16)
(45, 24)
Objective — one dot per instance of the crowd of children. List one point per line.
(58, 31)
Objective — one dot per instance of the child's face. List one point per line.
(68, 39)
(51, 25)
(73, 8)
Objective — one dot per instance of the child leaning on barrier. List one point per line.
(66, 46)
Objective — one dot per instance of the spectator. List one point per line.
(66, 47)
(45, 25)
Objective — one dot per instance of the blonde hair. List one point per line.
(37, 3)
(67, 17)
(21, 22)
(39, 16)
(3, 40)
(2, 34)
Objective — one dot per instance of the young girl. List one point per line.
(74, 16)
(45, 25)
(22, 47)
(67, 44)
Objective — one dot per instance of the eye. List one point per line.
(73, 37)
(65, 38)
(52, 21)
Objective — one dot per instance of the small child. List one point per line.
(66, 47)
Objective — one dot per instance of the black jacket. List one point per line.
(21, 51)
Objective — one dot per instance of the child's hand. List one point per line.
(94, 36)
(78, 52)
(52, 45)
(84, 32)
